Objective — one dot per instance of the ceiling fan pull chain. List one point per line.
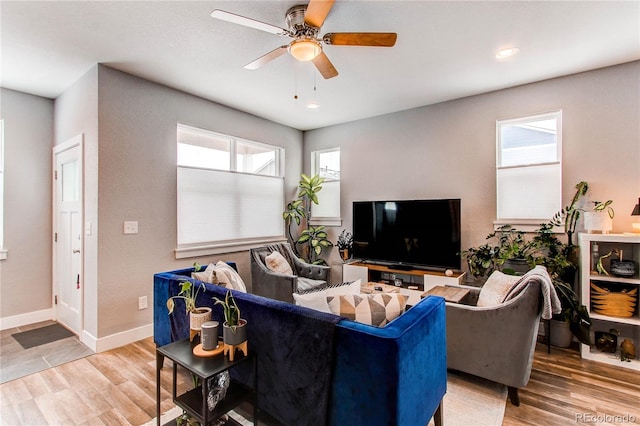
(295, 83)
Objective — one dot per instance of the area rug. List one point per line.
(472, 401)
(16, 362)
(40, 336)
(469, 401)
(236, 419)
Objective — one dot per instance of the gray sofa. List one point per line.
(496, 343)
(277, 286)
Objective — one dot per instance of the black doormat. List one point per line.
(40, 336)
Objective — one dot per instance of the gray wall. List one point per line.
(25, 276)
(137, 181)
(449, 149)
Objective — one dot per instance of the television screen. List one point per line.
(415, 233)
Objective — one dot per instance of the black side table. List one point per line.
(194, 401)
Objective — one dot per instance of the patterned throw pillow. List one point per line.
(374, 309)
(317, 299)
(277, 263)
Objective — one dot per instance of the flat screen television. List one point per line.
(422, 234)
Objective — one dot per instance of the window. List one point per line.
(326, 163)
(230, 192)
(3, 253)
(529, 166)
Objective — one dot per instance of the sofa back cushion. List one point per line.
(374, 309)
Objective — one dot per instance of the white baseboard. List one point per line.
(116, 340)
(95, 344)
(26, 319)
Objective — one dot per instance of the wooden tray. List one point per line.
(198, 351)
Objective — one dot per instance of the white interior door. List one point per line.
(68, 242)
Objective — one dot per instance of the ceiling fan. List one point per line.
(304, 22)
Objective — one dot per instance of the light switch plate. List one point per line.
(130, 227)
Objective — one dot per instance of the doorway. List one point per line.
(68, 242)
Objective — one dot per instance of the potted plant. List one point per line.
(234, 328)
(506, 250)
(557, 257)
(189, 293)
(345, 244)
(600, 218)
(569, 215)
(314, 239)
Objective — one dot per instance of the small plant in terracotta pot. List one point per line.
(189, 293)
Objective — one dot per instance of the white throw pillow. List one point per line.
(277, 263)
(373, 309)
(496, 288)
(221, 274)
(234, 279)
(318, 299)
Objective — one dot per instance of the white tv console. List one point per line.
(414, 281)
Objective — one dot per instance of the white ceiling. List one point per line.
(445, 50)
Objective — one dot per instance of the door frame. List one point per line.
(76, 141)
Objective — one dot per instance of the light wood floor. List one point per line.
(118, 387)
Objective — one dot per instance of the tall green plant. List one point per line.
(312, 239)
(569, 215)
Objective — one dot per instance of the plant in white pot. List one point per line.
(234, 328)
(600, 218)
(197, 315)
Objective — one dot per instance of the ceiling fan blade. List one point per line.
(317, 12)
(267, 57)
(324, 65)
(361, 39)
(248, 22)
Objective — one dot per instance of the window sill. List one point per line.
(3, 254)
(327, 221)
(223, 247)
(525, 225)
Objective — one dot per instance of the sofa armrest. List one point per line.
(391, 375)
(274, 285)
(497, 342)
(308, 270)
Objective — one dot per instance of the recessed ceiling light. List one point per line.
(506, 53)
(313, 105)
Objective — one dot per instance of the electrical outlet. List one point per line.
(142, 303)
(131, 227)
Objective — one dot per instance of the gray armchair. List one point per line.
(274, 285)
(496, 343)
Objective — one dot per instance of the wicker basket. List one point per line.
(613, 303)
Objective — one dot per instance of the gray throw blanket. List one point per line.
(550, 301)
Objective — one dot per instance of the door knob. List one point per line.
(76, 251)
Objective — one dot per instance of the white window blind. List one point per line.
(218, 206)
(228, 190)
(529, 167)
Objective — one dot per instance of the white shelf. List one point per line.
(630, 244)
(630, 320)
(608, 358)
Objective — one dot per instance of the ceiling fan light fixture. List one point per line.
(305, 49)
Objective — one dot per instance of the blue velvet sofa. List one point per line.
(321, 369)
